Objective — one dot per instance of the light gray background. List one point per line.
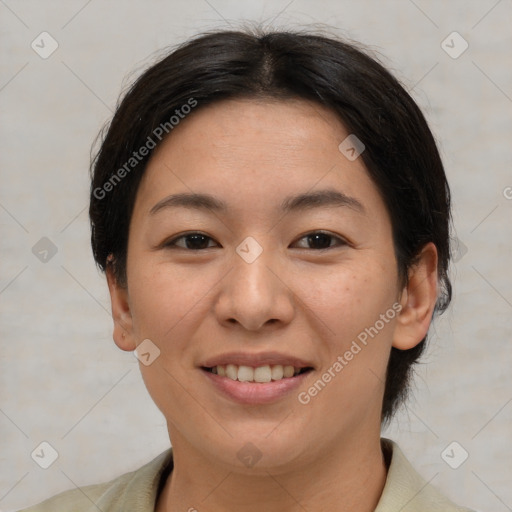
(62, 378)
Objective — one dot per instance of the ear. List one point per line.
(418, 300)
(121, 314)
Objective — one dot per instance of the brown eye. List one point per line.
(192, 241)
(320, 240)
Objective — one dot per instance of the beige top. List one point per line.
(405, 490)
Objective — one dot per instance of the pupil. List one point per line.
(322, 237)
(196, 241)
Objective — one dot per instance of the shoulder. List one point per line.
(136, 490)
(407, 490)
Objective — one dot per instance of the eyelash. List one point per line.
(172, 243)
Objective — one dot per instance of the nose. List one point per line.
(255, 294)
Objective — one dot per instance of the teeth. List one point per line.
(245, 374)
(231, 371)
(277, 372)
(261, 374)
(288, 371)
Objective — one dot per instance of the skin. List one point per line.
(294, 298)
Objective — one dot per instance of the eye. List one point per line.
(322, 240)
(194, 241)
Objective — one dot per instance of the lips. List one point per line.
(253, 379)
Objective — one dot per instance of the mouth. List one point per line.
(259, 374)
(256, 379)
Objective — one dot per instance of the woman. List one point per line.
(272, 215)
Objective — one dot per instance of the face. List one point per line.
(289, 264)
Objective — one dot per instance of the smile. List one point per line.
(260, 374)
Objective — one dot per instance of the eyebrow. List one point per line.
(306, 201)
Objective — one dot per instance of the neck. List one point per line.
(349, 479)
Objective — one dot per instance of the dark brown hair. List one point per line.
(400, 152)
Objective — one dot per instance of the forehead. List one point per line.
(289, 129)
(251, 153)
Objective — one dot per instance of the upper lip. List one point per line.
(255, 360)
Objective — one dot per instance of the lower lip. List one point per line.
(255, 393)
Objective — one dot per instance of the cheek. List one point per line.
(348, 300)
(167, 307)
(164, 299)
(357, 308)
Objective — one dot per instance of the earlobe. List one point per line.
(121, 314)
(418, 300)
